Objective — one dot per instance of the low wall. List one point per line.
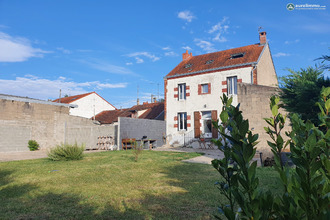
(254, 104)
(48, 124)
(137, 128)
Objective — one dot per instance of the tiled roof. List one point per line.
(153, 110)
(218, 60)
(70, 99)
(108, 117)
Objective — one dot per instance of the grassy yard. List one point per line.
(111, 185)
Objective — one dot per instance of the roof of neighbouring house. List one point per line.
(226, 59)
(153, 111)
(71, 99)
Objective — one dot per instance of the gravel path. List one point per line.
(28, 155)
(206, 158)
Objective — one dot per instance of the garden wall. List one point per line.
(137, 128)
(254, 103)
(47, 123)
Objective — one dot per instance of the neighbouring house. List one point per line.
(153, 111)
(89, 104)
(193, 88)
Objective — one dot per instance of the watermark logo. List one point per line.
(306, 6)
(290, 6)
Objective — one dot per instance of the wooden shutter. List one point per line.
(197, 125)
(199, 89)
(214, 116)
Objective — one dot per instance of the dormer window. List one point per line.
(237, 55)
(209, 61)
(188, 65)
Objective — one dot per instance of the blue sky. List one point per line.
(113, 47)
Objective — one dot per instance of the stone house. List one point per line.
(193, 88)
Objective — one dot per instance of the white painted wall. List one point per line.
(195, 102)
(90, 105)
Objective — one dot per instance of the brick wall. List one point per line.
(254, 103)
(47, 124)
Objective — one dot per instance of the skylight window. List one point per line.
(237, 55)
(188, 65)
(209, 62)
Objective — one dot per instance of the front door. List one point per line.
(207, 124)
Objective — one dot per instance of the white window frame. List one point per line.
(182, 121)
(182, 91)
(205, 86)
(232, 85)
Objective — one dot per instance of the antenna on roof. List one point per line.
(59, 99)
(137, 94)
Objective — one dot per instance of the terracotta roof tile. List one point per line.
(153, 111)
(218, 60)
(70, 99)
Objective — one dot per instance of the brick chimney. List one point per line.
(186, 55)
(262, 37)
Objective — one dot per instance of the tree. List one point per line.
(301, 91)
(324, 58)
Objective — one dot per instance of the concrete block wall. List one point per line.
(137, 128)
(254, 104)
(48, 124)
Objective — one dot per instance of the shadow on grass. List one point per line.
(187, 193)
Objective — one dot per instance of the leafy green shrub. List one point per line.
(66, 152)
(239, 183)
(33, 145)
(306, 193)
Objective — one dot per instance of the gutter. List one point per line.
(208, 70)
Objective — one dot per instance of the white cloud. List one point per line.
(107, 67)
(186, 15)
(65, 51)
(84, 51)
(129, 63)
(280, 54)
(205, 45)
(292, 42)
(39, 88)
(219, 30)
(138, 55)
(171, 54)
(17, 49)
(166, 48)
(187, 48)
(139, 60)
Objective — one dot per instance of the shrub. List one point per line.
(33, 145)
(306, 186)
(66, 152)
(137, 151)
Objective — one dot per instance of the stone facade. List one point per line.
(254, 104)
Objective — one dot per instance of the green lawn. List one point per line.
(111, 185)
